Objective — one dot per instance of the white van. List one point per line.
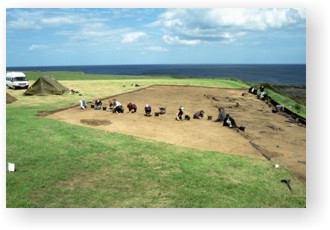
(16, 80)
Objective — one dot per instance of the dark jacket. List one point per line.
(131, 107)
(198, 115)
(98, 102)
(233, 123)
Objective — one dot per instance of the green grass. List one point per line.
(70, 75)
(295, 106)
(289, 103)
(124, 80)
(63, 165)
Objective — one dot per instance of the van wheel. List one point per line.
(26, 87)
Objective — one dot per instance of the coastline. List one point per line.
(288, 74)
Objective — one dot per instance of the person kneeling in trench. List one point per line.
(98, 104)
(83, 104)
(229, 121)
(199, 114)
(131, 107)
(179, 115)
(147, 110)
(117, 107)
(222, 115)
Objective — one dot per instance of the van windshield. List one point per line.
(19, 79)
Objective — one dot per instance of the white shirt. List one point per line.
(117, 103)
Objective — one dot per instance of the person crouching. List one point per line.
(98, 104)
(229, 121)
(180, 113)
(131, 107)
(117, 107)
(147, 110)
(83, 104)
(199, 115)
(222, 115)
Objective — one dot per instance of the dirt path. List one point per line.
(267, 135)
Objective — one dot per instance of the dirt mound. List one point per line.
(10, 99)
(268, 135)
(95, 122)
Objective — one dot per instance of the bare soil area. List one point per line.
(267, 135)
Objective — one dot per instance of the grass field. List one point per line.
(63, 165)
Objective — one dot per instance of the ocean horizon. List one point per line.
(290, 74)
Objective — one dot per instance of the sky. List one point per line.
(114, 36)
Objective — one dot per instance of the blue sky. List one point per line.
(67, 36)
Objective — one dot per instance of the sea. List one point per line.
(286, 74)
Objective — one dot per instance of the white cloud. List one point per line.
(175, 40)
(93, 36)
(59, 21)
(34, 19)
(223, 25)
(244, 18)
(21, 24)
(36, 47)
(157, 49)
(132, 37)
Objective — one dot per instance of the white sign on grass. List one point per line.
(11, 167)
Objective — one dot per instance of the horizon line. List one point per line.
(158, 64)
